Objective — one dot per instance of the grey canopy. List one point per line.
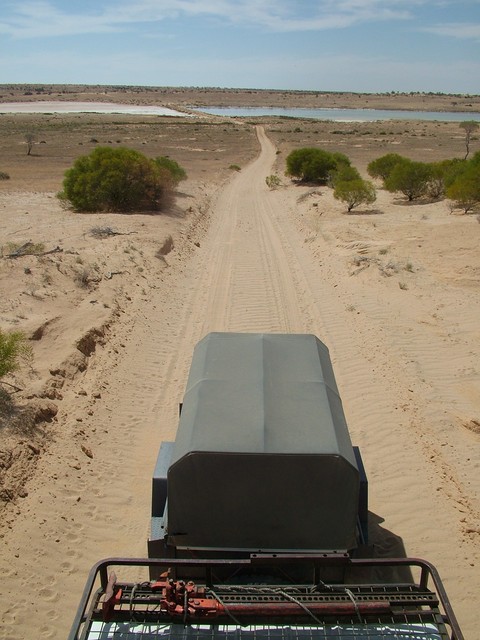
(262, 458)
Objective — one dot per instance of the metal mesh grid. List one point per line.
(136, 616)
(369, 631)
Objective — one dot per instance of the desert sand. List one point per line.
(116, 303)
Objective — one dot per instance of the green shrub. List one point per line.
(344, 174)
(13, 349)
(177, 172)
(442, 175)
(410, 178)
(465, 190)
(311, 164)
(118, 179)
(475, 159)
(355, 192)
(341, 159)
(382, 167)
(451, 169)
(273, 181)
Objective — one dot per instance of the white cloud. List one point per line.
(40, 18)
(462, 30)
(43, 18)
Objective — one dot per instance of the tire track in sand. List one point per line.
(251, 285)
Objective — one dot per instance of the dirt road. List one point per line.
(239, 279)
(250, 270)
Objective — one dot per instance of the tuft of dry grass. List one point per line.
(15, 249)
(83, 278)
(102, 232)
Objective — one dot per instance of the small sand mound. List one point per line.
(473, 426)
(88, 343)
(23, 440)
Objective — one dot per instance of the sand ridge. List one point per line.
(248, 259)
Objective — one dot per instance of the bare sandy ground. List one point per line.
(393, 293)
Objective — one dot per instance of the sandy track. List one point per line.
(252, 271)
(238, 279)
(250, 285)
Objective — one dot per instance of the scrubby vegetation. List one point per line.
(273, 181)
(382, 167)
(176, 171)
(410, 178)
(311, 164)
(335, 170)
(13, 349)
(120, 180)
(15, 249)
(458, 180)
(355, 192)
(469, 126)
(464, 189)
(350, 188)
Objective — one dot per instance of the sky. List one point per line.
(320, 45)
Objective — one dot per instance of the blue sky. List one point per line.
(325, 45)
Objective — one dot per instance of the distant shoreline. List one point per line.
(72, 107)
(339, 115)
(184, 97)
(75, 106)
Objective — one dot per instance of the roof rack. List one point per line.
(375, 598)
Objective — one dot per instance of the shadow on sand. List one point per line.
(384, 544)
